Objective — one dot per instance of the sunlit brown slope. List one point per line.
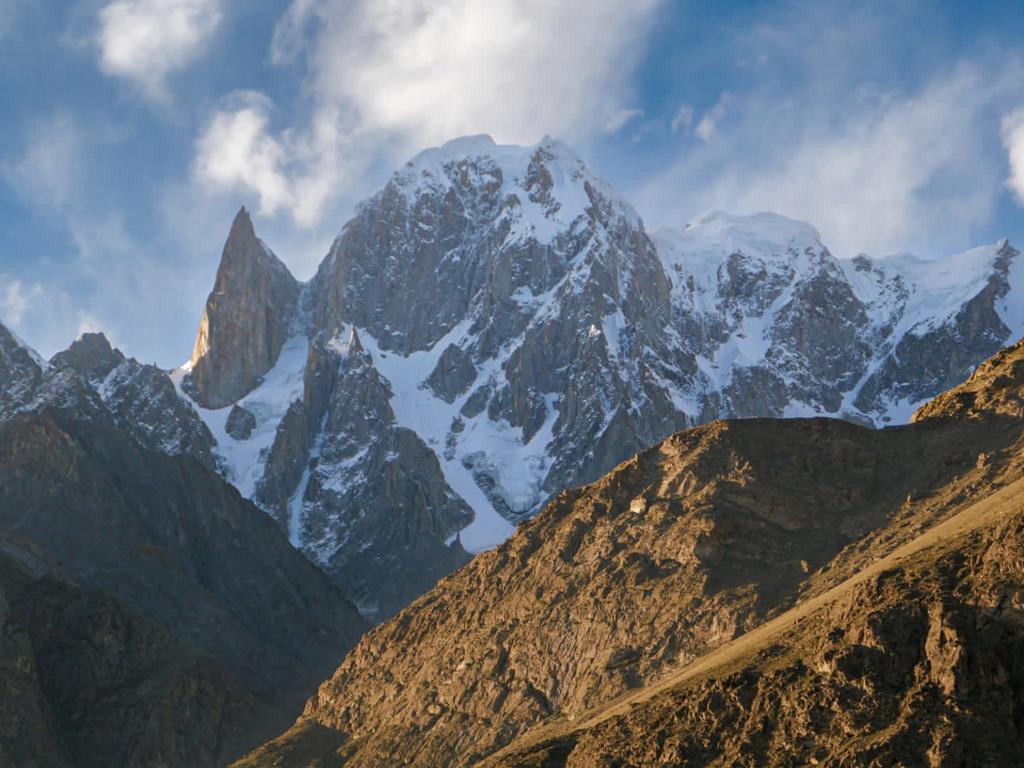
(674, 553)
(916, 660)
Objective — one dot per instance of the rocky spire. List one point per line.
(246, 321)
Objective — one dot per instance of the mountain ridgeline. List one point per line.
(496, 325)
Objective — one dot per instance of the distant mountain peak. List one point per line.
(91, 354)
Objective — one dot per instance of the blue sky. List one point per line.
(132, 130)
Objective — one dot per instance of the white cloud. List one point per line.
(400, 75)
(683, 118)
(147, 40)
(236, 149)
(821, 129)
(875, 171)
(512, 68)
(1013, 142)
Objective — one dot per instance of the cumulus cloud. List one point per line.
(236, 148)
(294, 170)
(405, 74)
(145, 41)
(1013, 142)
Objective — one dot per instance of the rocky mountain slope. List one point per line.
(918, 664)
(208, 626)
(88, 681)
(697, 541)
(496, 325)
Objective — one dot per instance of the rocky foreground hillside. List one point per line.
(759, 592)
(150, 615)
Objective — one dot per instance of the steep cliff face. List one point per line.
(674, 554)
(526, 307)
(248, 317)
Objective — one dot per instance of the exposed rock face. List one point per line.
(247, 319)
(674, 553)
(372, 506)
(780, 327)
(995, 389)
(139, 398)
(89, 682)
(919, 667)
(240, 423)
(181, 549)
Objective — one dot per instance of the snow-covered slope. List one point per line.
(780, 327)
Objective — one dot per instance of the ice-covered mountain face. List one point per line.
(518, 310)
(779, 327)
(933, 322)
(767, 316)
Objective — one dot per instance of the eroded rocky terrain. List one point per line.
(687, 548)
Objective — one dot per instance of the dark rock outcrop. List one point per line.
(240, 423)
